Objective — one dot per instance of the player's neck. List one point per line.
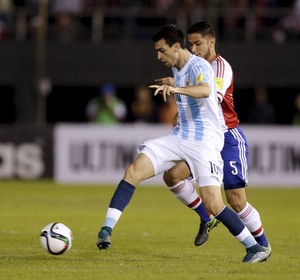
(212, 57)
(184, 56)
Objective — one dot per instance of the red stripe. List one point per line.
(195, 202)
(220, 67)
(177, 188)
(257, 231)
(247, 212)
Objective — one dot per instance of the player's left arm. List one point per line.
(200, 80)
(202, 90)
(199, 86)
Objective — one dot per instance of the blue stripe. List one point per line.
(184, 122)
(242, 151)
(196, 116)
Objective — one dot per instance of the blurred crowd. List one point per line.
(263, 106)
(67, 20)
(108, 108)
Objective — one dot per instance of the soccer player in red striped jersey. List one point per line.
(202, 40)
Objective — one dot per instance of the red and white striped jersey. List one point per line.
(224, 84)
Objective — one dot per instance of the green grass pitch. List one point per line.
(153, 239)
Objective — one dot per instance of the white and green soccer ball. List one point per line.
(56, 238)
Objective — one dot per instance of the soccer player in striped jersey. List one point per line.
(197, 139)
(202, 40)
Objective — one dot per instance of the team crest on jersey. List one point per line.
(219, 83)
(199, 78)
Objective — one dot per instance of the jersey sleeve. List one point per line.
(223, 77)
(201, 73)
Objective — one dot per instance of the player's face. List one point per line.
(199, 45)
(166, 54)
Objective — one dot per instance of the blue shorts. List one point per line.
(235, 157)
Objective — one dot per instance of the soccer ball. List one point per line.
(56, 238)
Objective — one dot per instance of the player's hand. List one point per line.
(164, 90)
(169, 81)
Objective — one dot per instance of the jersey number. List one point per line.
(213, 168)
(234, 170)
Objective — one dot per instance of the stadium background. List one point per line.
(47, 79)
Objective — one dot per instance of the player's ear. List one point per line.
(176, 46)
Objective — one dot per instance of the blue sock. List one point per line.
(262, 240)
(122, 195)
(202, 212)
(231, 220)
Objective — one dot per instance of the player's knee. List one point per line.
(237, 204)
(212, 199)
(132, 175)
(213, 206)
(236, 199)
(169, 178)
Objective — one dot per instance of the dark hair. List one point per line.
(171, 34)
(202, 27)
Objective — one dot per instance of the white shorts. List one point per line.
(204, 160)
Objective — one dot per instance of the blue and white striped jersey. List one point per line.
(198, 118)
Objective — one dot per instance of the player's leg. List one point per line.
(235, 156)
(136, 172)
(248, 214)
(183, 189)
(156, 156)
(213, 201)
(185, 192)
(208, 173)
